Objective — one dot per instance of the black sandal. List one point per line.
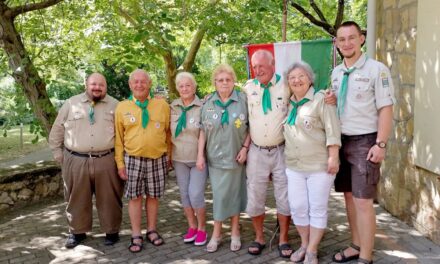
(345, 258)
(134, 244)
(284, 247)
(154, 240)
(258, 246)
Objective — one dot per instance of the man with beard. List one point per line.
(82, 141)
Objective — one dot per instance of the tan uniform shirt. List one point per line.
(185, 145)
(370, 88)
(149, 142)
(267, 129)
(72, 128)
(316, 128)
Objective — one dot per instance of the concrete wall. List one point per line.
(406, 191)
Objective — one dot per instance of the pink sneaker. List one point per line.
(190, 235)
(201, 238)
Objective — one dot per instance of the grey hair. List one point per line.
(182, 75)
(303, 66)
(139, 71)
(267, 54)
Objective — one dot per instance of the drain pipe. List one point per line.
(371, 29)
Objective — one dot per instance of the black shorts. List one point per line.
(357, 174)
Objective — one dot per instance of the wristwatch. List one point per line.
(381, 144)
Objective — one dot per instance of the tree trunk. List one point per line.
(171, 72)
(23, 70)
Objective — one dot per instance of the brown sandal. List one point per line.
(345, 258)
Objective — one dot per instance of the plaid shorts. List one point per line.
(145, 176)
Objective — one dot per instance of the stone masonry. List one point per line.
(406, 191)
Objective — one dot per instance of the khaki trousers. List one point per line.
(84, 177)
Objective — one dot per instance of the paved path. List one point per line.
(34, 157)
(36, 234)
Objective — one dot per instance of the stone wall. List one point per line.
(406, 191)
(29, 183)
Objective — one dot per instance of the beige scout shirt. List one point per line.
(185, 145)
(316, 128)
(267, 129)
(370, 88)
(72, 128)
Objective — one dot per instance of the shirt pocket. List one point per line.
(313, 127)
(254, 101)
(109, 122)
(362, 90)
(158, 122)
(73, 120)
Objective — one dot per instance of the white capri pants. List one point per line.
(308, 194)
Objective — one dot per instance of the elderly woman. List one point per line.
(185, 129)
(312, 134)
(225, 134)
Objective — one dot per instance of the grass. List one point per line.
(10, 145)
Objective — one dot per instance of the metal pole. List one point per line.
(371, 29)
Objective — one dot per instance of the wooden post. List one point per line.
(21, 135)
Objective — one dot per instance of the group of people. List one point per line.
(276, 128)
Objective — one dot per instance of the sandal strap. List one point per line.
(352, 245)
(362, 260)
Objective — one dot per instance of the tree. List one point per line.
(316, 15)
(23, 70)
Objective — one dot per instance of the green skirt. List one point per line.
(228, 191)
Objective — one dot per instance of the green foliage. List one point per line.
(74, 38)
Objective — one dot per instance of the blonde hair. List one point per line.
(223, 68)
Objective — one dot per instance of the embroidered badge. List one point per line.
(242, 117)
(209, 125)
(360, 79)
(214, 116)
(308, 125)
(210, 110)
(385, 82)
(132, 119)
(237, 123)
(157, 125)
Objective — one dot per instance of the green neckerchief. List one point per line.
(143, 106)
(181, 124)
(266, 102)
(92, 112)
(342, 95)
(225, 113)
(292, 116)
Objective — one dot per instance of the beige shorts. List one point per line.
(261, 163)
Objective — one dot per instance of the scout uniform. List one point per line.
(142, 151)
(191, 181)
(223, 142)
(312, 130)
(82, 137)
(369, 89)
(266, 153)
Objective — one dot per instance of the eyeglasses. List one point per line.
(224, 80)
(299, 77)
